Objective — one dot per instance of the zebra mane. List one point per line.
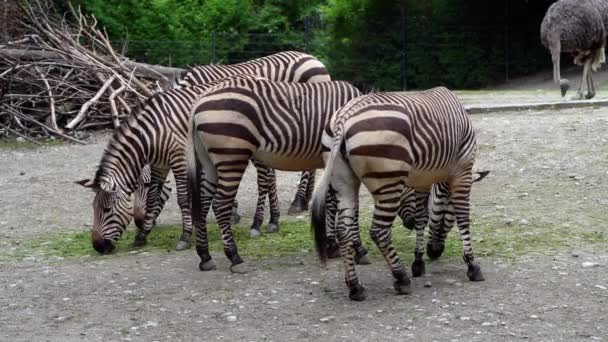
(126, 126)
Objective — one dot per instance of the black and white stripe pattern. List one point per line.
(389, 141)
(154, 136)
(287, 66)
(290, 66)
(277, 123)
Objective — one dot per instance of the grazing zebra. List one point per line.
(388, 141)
(288, 66)
(279, 124)
(154, 135)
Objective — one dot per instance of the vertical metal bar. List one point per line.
(307, 34)
(212, 47)
(403, 48)
(507, 41)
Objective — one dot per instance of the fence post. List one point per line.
(307, 34)
(506, 40)
(403, 48)
(212, 47)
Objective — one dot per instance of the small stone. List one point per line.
(428, 284)
(231, 318)
(575, 255)
(533, 316)
(588, 264)
(450, 281)
(523, 222)
(388, 327)
(150, 324)
(465, 318)
(601, 287)
(500, 207)
(326, 319)
(20, 139)
(458, 284)
(22, 173)
(486, 324)
(509, 221)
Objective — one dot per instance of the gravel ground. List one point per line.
(548, 169)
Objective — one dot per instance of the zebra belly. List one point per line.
(288, 163)
(426, 178)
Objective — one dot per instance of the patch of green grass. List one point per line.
(489, 239)
(13, 144)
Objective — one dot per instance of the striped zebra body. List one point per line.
(287, 66)
(154, 136)
(277, 123)
(389, 141)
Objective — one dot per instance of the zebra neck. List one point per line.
(124, 157)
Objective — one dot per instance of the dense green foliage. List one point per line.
(374, 43)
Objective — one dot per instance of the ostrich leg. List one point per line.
(579, 95)
(590, 86)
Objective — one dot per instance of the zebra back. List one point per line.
(288, 66)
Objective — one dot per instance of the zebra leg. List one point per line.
(258, 218)
(361, 257)
(202, 242)
(441, 220)
(310, 187)
(407, 208)
(386, 193)
(229, 177)
(181, 185)
(273, 200)
(422, 216)
(235, 218)
(153, 198)
(333, 250)
(461, 192)
(300, 202)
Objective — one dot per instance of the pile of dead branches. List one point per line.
(65, 76)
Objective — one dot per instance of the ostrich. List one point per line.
(577, 27)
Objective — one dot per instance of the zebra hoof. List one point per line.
(418, 268)
(139, 241)
(357, 293)
(403, 287)
(207, 266)
(297, 207)
(434, 250)
(181, 245)
(474, 273)
(272, 228)
(362, 260)
(235, 218)
(239, 268)
(409, 223)
(333, 251)
(589, 96)
(254, 233)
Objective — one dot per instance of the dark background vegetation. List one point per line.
(385, 44)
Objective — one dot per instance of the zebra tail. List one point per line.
(318, 206)
(194, 147)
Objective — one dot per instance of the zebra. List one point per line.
(287, 66)
(388, 141)
(279, 124)
(154, 135)
(441, 214)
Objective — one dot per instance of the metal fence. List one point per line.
(462, 56)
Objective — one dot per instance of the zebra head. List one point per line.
(112, 213)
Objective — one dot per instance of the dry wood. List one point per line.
(66, 73)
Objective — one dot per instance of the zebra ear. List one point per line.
(88, 183)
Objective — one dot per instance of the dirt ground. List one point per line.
(548, 169)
